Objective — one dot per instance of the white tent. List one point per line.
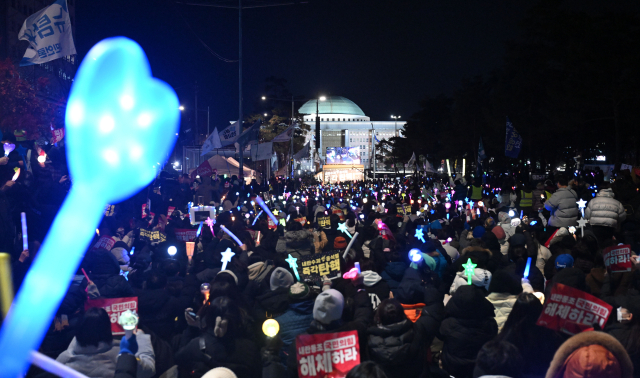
(230, 166)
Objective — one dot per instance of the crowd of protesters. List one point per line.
(413, 317)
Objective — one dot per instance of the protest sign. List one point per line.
(272, 225)
(572, 311)
(152, 236)
(327, 355)
(400, 209)
(170, 211)
(320, 264)
(114, 307)
(144, 210)
(105, 242)
(110, 210)
(324, 222)
(618, 258)
(301, 220)
(185, 235)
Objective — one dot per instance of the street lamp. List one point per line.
(265, 114)
(396, 126)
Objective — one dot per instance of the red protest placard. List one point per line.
(618, 258)
(170, 211)
(327, 355)
(114, 307)
(185, 235)
(105, 242)
(572, 311)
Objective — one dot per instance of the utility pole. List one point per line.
(197, 136)
(239, 128)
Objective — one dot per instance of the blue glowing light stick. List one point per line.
(226, 257)
(526, 269)
(415, 255)
(256, 218)
(231, 234)
(25, 239)
(120, 122)
(293, 265)
(265, 208)
(199, 230)
(420, 234)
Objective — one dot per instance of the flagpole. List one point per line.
(239, 128)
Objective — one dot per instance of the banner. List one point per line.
(618, 258)
(114, 307)
(212, 141)
(513, 141)
(324, 221)
(152, 236)
(286, 135)
(328, 354)
(261, 151)
(400, 209)
(303, 153)
(185, 235)
(203, 170)
(320, 264)
(49, 35)
(105, 242)
(229, 135)
(572, 311)
(251, 134)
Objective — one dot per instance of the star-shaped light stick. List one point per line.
(343, 227)
(469, 270)
(226, 257)
(293, 265)
(582, 204)
(581, 223)
(210, 222)
(420, 234)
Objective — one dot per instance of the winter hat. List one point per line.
(480, 278)
(517, 240)
(504, 217)
(436, 225)
(489, 223)
(328, 306)
(499, 232)
(227, 271)
(280, 278)
(339, 243)
(428, 247)
(220, 372)
(564, 261)
(478, 231)
(299, 291)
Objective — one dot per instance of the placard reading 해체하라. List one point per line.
(618, 258)
(572, 311)
(114, 307)
(327, 355)
(313, 267)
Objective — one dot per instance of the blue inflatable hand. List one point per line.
(120, 123)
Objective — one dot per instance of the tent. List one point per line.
(225, 166)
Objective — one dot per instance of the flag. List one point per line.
(261, 151)
(213, 141)
(229, 135)
(375, 136)
(251, 134)
(274, 163)
(303, 153)
(481, 155)
(412, 160)
(428, 167)
(286, 135)
(48, 32)
(513, 141)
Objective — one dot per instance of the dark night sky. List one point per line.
(383, 55)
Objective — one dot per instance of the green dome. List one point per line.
(332, 105)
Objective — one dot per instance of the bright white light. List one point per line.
(172, 250)
(265, 114)
(601, 158)
(136, 152)
(111, 156)
(322, 98)
(76, 114)
(512, 213)
(107, 124)
(181, 107)
(264, 98)
(42, 158)
(144, 119)
(126, 102)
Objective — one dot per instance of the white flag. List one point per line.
(213, 141)
(286, 135)
(412, 160)
(229, 135)
(49, 34)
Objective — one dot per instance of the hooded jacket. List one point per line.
(468, 326)
(298, 243)
(393, 273)
(563, 208)
(101, 361)
(605, 210)
(377, 289)
(395, 348)
(502, 304)
(591, 354)
(295, 320)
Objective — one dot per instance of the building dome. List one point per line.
(332, 105)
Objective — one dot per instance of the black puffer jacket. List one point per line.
(111, 286)
(158, 310)
(271, 304)
(396, 348)
(470, 323)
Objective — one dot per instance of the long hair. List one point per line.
(389, 311)
(94, 328)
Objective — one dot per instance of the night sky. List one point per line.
(384, 55)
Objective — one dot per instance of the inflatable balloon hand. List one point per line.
(120, 123)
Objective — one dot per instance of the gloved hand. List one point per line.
(129, 345)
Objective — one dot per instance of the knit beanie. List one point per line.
(298, 291)
(339, 242)
(517, 240)
(280, 278)
(220, 372)
(328, 306)
(478, 231)
(436, 225)
(499, 232)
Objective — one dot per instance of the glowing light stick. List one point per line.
(582, 204)
(357, 265)
(6, 283)
(469, 270)
(292, 261)
(447, 205)
(270, 327)
(258, 239)
(8, 147)
(415, 255)
(119, 123)
(25, 239)
(205, 288)
(172, 250)
(190, 248)
(210, 222)
(53, 366)
(128, 320)
(226, 257)
(256, 218)
(283, 222)
(266, 209)
(512, 213)
(231, 235)
(448, 168)
(351, 274)
(478, 211)
(581, 223)
(16, 175)
(420, 234)
(199, 230)
(344, 255)
(521, 212)
(526, 269)
(343, 227)
(464, 167)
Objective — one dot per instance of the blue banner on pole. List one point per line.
(513, 141)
